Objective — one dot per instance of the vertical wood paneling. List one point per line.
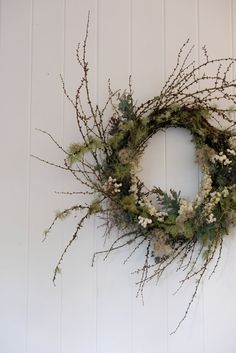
(95, 309)
(181, 174)
(149, 320)
(114, 290)
(78, 328)
(219, 292)
(14, 93)
(46, 113)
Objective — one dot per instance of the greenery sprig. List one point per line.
(106, 163)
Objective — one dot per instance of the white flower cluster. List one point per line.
(144, 221)
(225, 192)
(204, 190)
(215, 197)
(186, 209)
(222, 158)
(160, 215)
(231, 151)
(111, 186)
(211, 218)
(146, 202)
(232, 142)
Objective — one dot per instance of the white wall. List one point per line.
(95, 309)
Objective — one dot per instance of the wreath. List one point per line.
(107, 160)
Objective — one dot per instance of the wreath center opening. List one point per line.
(170, 156)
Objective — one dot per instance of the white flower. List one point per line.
(186, 208)
(144, 221)
(152, 210)
(204, 190)
(211, 218)
(161, 216)
(232, 142)
(111, 186)
(215, 197)
(221, 158)
(225, 192)
(231, 151)
(186, 211)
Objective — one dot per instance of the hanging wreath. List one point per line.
(107, 161)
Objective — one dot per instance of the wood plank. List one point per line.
(14, 154)
(78, 277)
(46, 113)
(219, 291)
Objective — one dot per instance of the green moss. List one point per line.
(173, 230)
(188, 230)
(77, 151)
(129, 204)
(63, 214)
(95, 207)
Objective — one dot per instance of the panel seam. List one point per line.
(30, 93)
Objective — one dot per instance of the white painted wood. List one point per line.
(14, 137)
(219, 303)
(78, 319)
(44, 306)
(95, 309)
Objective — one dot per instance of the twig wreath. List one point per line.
(106, 162)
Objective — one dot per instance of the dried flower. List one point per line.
(160, 247)
(111, 186)
(144, 221)
(186, 211)
(203, 157)
(232, 142)
(124, 155)
(221, 158)
(134, 179)
(204, 191)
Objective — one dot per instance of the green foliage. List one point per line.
(173, 230)
(77, 151)
(141, 133)
(95, 206)
(231, 217)
(129, 204)
(206, 233)
(116, 140)
(233, 197)
(127, 126)
(188, 230)
(94, 143)
(121, 171)
(171, 202)
(63, 214)
(126, 106)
